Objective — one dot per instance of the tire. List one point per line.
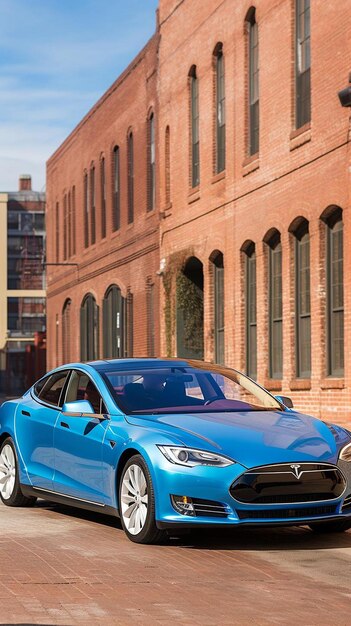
(339, 526)
(10, 490)
(137, 503)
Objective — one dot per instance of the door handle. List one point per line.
(25, 413)
(64, 424)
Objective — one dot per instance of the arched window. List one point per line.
(218, 294)
(151, 164)
(103, 196)
(89, 329)
(194, 128)
(253, 81)
(92, 205)
(220, 108)
(114, 323)
(302, 298)
(130, 171)
(250, 309)
(66, 332)
(86, 210)
(302, 63)
(275, 305)
(335, 291)
(116, 216)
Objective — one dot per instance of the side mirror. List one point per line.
(286, 401)
(77, 408)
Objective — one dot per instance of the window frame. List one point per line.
(253, 115)
(130, 176)
(299, 315)
(194, 128)
(220, 119)
(336, 223)
(250, 271)
(275, 247)
(116, 190)
(302, 56)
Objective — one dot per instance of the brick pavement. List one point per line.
(64, 566)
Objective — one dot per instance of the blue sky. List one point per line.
(57, 57)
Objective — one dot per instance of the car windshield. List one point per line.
(182, 389)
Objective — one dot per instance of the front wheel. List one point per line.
(339, 526)
(137, 502)
(10, 490)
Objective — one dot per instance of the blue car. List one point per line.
(167, 444)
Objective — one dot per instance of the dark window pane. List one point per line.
(116, 219)
(89, 329)
(114, 323)
(195, 145)
(251, 321)
(66, 332)
(92, 206)
(86, 210)
(335, 312)
(220, 113)
(103, 198)
(219, 309)
(302, 62)
(275, 311)
(52, 390)
(303, 306)
(130, 179)
(253, 89)
(151, 164)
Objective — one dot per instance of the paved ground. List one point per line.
(64, 566)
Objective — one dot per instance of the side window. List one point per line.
(40, 384)
(82, 388)
(52, 389)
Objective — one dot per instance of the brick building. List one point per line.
(234, 110)
(103, 227)
(22, 288)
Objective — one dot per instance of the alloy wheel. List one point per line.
(134, 499)
(7, 472)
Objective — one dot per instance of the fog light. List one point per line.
(183, 505)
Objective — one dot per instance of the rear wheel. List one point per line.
(10, 490)
(339, 526)
(137, 503)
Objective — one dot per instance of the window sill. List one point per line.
(250, 164)
(116, 233)
(332, 383)
(167, 211)
(150, 214)
(300, 384)
(194, 194)
(271, 384)
(300, 136)
(217, 177)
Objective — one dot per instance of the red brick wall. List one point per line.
(129, 257)
(296, 174)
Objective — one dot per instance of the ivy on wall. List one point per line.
(190, 301)
(175, 265)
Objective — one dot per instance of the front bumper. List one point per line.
(213, 485)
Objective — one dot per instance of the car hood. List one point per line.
(255, 437)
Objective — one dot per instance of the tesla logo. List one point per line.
(295, 469)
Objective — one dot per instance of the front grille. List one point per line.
(267, 514)
(285, 484)
(209, 508)
(347, 503)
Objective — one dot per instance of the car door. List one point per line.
(78, 443)
(35, 421)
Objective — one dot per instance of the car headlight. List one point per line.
(190, 457)
(345, 454)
